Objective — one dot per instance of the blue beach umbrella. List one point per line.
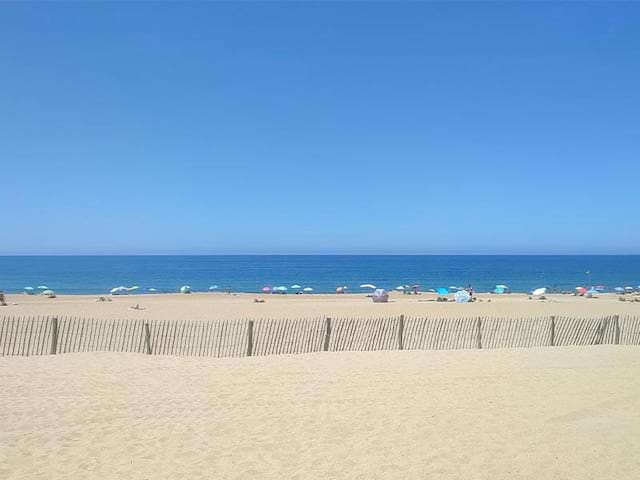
(619, 289)
(442, 291)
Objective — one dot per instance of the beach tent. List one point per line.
(539, 291)
(185, 289)
(462, 296)
(368, 285)
(307, 289)
(380, 296)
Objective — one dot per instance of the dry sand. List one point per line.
(562, 413)
(205, 306)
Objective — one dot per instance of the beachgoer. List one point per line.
(3, 302)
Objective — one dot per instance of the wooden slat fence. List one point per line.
(25, 336)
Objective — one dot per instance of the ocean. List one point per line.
(323, 273)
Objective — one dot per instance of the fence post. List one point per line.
(54, 336)
(250, 338)
(401, 333)
(479, 332)
(147, 337)
(327, 334)
(552, 333)
(616, 324)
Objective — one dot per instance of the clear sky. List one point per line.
(320, 128)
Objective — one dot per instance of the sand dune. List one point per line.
(569, 413)
(222, 306)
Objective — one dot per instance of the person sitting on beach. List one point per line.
(3, 302)
(136, 307)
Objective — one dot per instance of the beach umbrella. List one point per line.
(151, 290)
(185, 289)
(213, 287)
(499, 290)
(619, 289)
(539, 291)
(442, 291)
(281, 289)
(295, 287)
(307, 289)
(368, 285)
(266, 289)
(400, 288)
(591, 292)
(131, 289)
(581, 290)
(340, 290)
(601, 288)
(118, 290)
(462, 296)
(454, 288)
(28, 288)
(628, 289)
(43, 287)
(502, 287)
(47, 292)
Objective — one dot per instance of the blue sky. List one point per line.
(320, 128)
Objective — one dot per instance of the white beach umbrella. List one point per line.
(296, 287)
(368, 285)
(151, 290)
(43, 287)
(503, 287)
(307, 289)
(281, 288)
(628, 289)
(133, 289)
(118, 290)
(400, 288)
(185, 289)
(462, 296)
(28, 288)
(213, 287)
(47, 292)
(539, 291)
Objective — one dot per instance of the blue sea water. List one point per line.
(98, 274)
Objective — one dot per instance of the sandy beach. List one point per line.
(567, 413)
(220, 306)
